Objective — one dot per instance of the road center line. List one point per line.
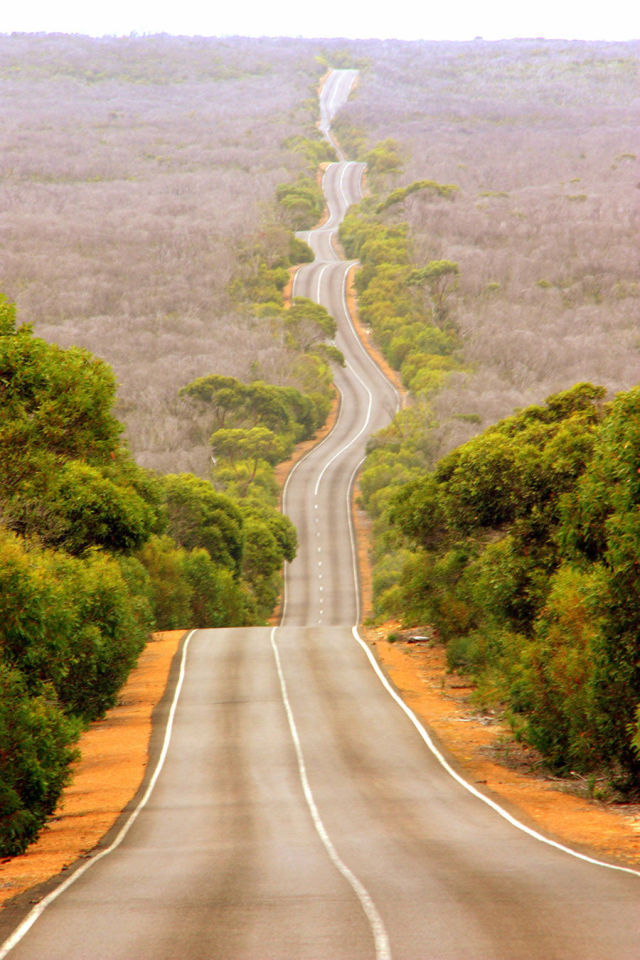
(357, 436)
(378, 930)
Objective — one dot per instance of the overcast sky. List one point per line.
(403, 19)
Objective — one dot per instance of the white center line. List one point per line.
(381, 940)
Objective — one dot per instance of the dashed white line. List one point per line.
(380, 938)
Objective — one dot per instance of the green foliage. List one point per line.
(190, 589)
(383, 162)
(246, 450)
(55, 405)
(270, 540)
(308, 324)
(436, 280)
(446, 190)
(314, 148)
(417, 333)
(257, 426)
(199, 516)
(218, 599)
(88, 509)
(78, 624)
(64, 476)
(231, 404)
(299, 251)
(300, 203)
(263, 265)
(36, 749)
(342, 59)
(7, 317)
(526, 557)
(551, 694)
(84, 571)
(171, 593)
(352, 138)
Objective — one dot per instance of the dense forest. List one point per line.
(150, 189)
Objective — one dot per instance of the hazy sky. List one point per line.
(404, 19)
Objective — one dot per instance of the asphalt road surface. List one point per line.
(297, 812)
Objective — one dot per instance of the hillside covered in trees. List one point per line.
(141, 179)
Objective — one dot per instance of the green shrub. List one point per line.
(36, 741)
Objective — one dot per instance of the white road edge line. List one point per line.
(425, 735)
(320, 276)
(359, 342)
(468, 786)
(353, 541)
(380, 938)
(39, 909)
(407, 710)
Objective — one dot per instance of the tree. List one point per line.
(225, 397)
(301, 202)
(52, 401)
(7, 317)
(36, 749)
(218, 599)
(171, 593)
(254, 446)
(308, 323)
(436, 279)
(85, 508)
(64, 475)
(270, 540)
(199, 516)
(383, 161)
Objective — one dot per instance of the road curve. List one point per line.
(297, 813)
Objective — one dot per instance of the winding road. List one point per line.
(296, 811)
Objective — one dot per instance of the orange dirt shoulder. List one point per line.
(113, 759)
(443, 701)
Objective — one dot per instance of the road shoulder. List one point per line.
(474, 741)
(114, 753)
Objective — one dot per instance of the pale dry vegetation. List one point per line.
(133, 174)
(135, 170)
(542, 140)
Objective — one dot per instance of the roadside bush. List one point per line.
(301, 202)
(528, 554)
(217, 599)
(36, 749)
(70, 631)
(171, 593)
(199, 516)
